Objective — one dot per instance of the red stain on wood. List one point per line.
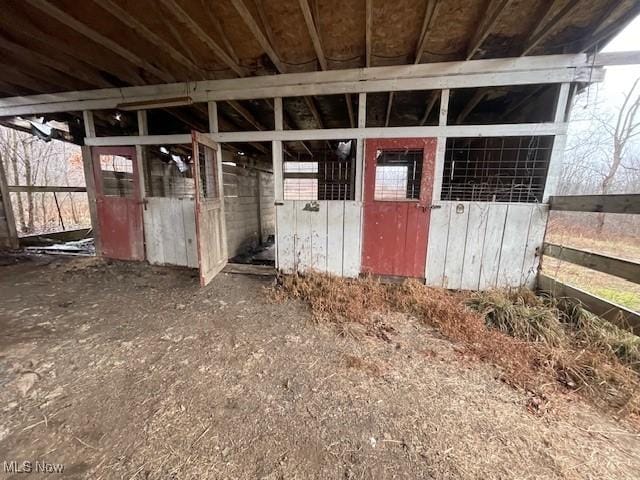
(396, 232)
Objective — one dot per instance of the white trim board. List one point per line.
(503, 130)
(472, 73)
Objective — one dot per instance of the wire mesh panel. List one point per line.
(325, 174)
(116, 172)
(168, 172)
(496, 169)
(208, 178)
(398, 175)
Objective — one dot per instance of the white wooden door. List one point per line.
(210, 224)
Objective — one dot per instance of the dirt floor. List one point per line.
(123, 371)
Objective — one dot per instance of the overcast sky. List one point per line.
(619, 79)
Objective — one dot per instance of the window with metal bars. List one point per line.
(496, 169)
(398, 175)
(327, 174)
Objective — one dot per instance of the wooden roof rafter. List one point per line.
(80, 74)
(433, 98)
(430, 14)
(602, 34)
(549, 23)
(145, 32)
(70, 56)
(193, 26)
(494, 10)
(259, 35)
(73, 23)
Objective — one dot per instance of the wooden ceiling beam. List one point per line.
(352, 117)
(478, 97)
(63, 81)
(206, 7)
(193, 26)
(56, 48)
(433, 98)
(246, 114)
(74, 24)
(389, 107)
(602, 34)
(17, 77)
(548, 24)
(495, 9)
(11, 89)
(313, 33)
(368, 32)
(427, 24)
(255, 29)
(79, 73)
(147, 34)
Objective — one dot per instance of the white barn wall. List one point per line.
(488, 245)
(326, 240)
(169, 222)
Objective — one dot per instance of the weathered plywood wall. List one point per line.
(249, 208)
(170, 231)
(319, 235)
(169, 222)
(478, 246)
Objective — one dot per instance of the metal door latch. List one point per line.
(433, 207)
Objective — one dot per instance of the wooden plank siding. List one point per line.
(613, 266)
(483, 245)
(8, 233)
(169, 222)
(618, 203)
(616, 314)
(319, 235)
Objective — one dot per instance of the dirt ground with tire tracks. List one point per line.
(126, 371)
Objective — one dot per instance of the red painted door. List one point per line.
(118, 202)
(398, 185)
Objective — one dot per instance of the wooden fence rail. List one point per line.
(625, 203)
(595, 261)
(616, 314)
(45, 189)
(628, 270)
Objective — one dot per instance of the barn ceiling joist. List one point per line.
(63, 45)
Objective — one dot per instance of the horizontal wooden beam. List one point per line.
(624, 203)
(616, 314)
(432, 76)
(45, 189)
(595, 261)
(508, 130)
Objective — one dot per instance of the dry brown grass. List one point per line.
(538, 345)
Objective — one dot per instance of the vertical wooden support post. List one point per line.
(438, 168)
(213, 117)
(11, 241)
(90, 182)
(89, 126)
(559, 143)
(259, 204)
(143, 129)
(276, 152)
(362, 123)
(441, 147)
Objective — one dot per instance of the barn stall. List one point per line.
(419, 139)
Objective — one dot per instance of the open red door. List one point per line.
(118, 202)
(210, 224)
(397, 205)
